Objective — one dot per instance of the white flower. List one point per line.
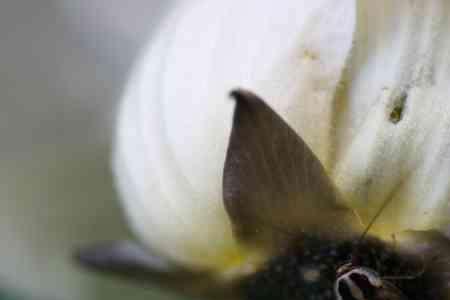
(175, 119)
(364, 83)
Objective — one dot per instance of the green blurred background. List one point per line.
(63, 65)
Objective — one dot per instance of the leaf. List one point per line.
(131, 261)
(273, 184)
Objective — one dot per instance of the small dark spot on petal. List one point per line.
(396, 114)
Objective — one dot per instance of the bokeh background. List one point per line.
(63, 65)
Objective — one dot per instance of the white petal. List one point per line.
(401, 58)
(175, 119)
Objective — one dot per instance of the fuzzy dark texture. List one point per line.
(283, 277)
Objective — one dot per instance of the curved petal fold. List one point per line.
(392, 132)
